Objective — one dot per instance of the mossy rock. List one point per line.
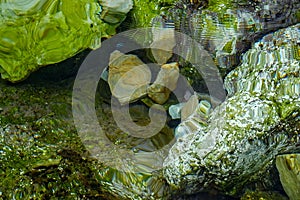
(43, 32)
(144, 11)
(288, 166)
(259, 120)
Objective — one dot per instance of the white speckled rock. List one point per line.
(244, 134)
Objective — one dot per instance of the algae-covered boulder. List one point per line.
(41, 32)
(259, 120)
(288, 166)
(144, 11)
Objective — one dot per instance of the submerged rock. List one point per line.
(189, 107)
(166, 81)
(175, 110)
(144, 11)
(43, 157)
(194, 116)
(132, 171)
(163, 41)
(259, 120)
(115, 12)
(42, 32)
(288, 166)
(128, 77)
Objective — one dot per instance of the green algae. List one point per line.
(56, 161)
(46, 32)
(288, 166)
(41, 154)
(220, 5)
(144, 11)
(227, 28)
(262, 195)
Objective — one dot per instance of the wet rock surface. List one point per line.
(164, 84)
(250, 128)
(43, 156)
(42, 32)
(288, 166)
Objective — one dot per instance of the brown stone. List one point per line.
(166, 81)
(189, 108)
(163, 44)
(128, 77)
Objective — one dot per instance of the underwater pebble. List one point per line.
(163, 41)
(174, 110)
(165, 82)
(128, 77)
(189, 107)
